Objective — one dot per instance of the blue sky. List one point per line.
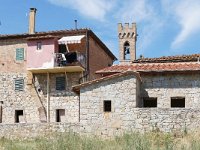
(165, 27)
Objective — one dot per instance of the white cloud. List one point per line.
(95, 9)
(187, 15)
(146, 15)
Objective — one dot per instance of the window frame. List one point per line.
(60, 82)
(19, 87)
(39, 45)
(19, 56)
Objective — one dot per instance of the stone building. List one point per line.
(38, 69)
(142, 94)
(65, 80)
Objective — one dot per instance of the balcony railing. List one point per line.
(71, 58)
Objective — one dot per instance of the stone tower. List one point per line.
(127, 43)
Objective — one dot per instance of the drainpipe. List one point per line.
(87, 56)
(48, 98)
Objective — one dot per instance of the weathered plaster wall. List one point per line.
(165, 86)
(8, 61)
(43, 58)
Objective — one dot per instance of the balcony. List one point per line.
(68, 62)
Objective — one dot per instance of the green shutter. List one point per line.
(60, 83)
(19, 84)
(20, 54)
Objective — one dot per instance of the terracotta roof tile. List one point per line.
(60, 33)
(152, 67)
(180, 58)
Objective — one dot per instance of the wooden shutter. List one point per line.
(60, 83)
(20, 54)
(19, 84)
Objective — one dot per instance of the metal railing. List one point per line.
(67, 59)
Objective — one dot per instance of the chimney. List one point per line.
(32, 14)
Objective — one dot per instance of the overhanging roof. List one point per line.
(60, 33)
(71, 39)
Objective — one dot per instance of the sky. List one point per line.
(164, 27)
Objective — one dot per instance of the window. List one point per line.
(18, 116)
(149, 102)
(19, 84)
(178, 102)
(60, 83)
(127, 51)
(39, 45)
(59, 114)
(107, 106)
(19, 54)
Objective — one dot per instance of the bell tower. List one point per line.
(127, 43)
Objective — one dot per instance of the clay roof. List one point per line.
(152, 67)
(77, 87)
(178, 58)
(59, 33)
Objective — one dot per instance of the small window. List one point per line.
(19, 54)
(60, 83)
(59, 114)
(178, 102)
(39, 45)
(18, 116)
(107, 106)
(149, 102)
(19, 84)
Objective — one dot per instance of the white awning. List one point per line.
(71, 39)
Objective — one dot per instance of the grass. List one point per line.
(133, 141)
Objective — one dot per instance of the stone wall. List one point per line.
(32, 100)
(123, 94)
(165, 86)
(17, 100)
(24, 130)
(64, 99)
(142, 120)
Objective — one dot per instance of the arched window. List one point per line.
(127, 55)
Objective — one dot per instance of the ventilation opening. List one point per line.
(107, 106)
(59, 114)
(178, 102)
(18, 116)
(149, 102)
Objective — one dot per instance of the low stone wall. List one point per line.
(140, 119)
(24, 130)
(145, 120)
